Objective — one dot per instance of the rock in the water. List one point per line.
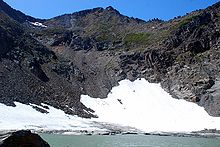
(24, 139)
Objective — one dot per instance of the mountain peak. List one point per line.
(15, 14)
(110, 8)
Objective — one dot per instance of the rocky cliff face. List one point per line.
(88, 52)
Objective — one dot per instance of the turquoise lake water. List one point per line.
(128, 141)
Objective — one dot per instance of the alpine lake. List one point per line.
(57, 140)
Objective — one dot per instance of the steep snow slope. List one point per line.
(148, 107)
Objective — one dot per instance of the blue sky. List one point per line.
(144, 9)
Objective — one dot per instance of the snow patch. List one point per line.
(25, 117)
(146, 106)
(38, 24)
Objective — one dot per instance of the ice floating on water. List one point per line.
(148, 107)
(138, 104)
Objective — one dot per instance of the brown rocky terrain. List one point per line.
(88, 52)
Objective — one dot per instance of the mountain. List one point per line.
(56, 60)
(15, 14)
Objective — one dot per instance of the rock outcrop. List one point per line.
(23, 139)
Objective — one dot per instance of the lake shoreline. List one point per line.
(199, 134)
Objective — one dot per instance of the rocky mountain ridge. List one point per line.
(15, 14)
(89, 52)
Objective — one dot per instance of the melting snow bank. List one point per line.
(55, 121)
(146, 106)
(136, 106)
(25, 117)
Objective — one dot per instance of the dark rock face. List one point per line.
(4, 40)
(24, 139)
(89, 52)
(195, 47)
(36, 69)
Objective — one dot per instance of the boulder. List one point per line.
(24, 138)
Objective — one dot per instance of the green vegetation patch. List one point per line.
(51, 31)
(184, 22)
(184, 57)
(137, 39)
(104, 37)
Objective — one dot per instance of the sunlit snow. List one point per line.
(38, 24)
(25, 117)
(137, 104)
(148, 107)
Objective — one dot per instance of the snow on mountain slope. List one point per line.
(137, 104)
(148, 107)
(25, 117)
(38, 24)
